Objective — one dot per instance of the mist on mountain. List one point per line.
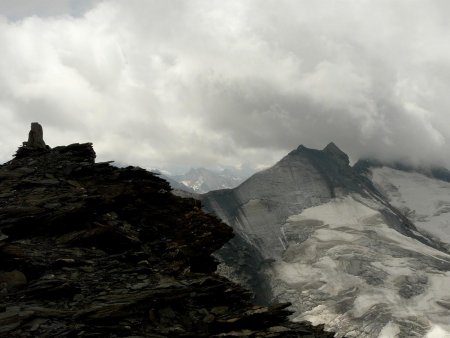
(202, 180)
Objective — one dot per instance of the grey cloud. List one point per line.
(196, 83)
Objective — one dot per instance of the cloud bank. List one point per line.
(200, 83)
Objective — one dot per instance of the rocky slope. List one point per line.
(322, 236)
(88, 249)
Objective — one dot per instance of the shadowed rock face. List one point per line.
(90, 249)
(333, 150)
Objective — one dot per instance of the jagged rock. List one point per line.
(111, 251)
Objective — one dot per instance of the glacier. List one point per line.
(360, 276)
(312, 231)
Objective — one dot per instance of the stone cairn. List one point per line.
(35, 137)
(35, 143)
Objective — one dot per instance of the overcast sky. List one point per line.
(179, 84)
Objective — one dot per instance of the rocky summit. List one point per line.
(88, 249)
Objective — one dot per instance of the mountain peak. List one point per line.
(331, 145)
(333, 150)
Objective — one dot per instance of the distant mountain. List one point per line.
(314, 231)
(199, 180)
(202, 180)
(175, 184)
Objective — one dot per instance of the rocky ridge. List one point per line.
(88, 249)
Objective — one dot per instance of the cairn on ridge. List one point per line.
(35, 137)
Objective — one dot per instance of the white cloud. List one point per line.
(196, 83)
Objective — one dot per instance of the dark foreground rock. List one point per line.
(88, 249)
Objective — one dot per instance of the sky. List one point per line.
(179, 84)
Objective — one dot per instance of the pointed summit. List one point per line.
(334, 151)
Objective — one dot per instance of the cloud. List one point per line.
(19, 9)
(196, 83)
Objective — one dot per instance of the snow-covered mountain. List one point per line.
(202, 180)
(313, 231)
(174, 184)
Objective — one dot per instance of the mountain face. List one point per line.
(316, 232)
(202, 180)
(88, 249)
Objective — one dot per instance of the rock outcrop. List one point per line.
(88, 249)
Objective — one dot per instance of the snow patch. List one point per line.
(340, 212)
(391, 330)
(359, 276)
(437, 332)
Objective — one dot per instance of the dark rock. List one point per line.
(444, 303)
(13, 279)
(333, 150)
(36, 137)
(109, 251)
